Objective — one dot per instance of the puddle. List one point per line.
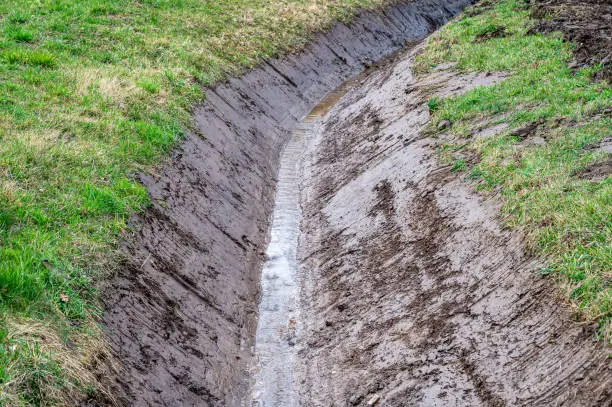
(275, 341)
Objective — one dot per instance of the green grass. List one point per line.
(566, 218)
(91, 92)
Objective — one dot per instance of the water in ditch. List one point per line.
(276, 329)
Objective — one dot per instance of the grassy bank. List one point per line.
(548, 165)
(91, 92)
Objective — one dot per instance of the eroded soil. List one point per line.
(181, 314)
(413, 294)
(587, 24)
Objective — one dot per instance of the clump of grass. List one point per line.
(565, 217)
(22, 36)
(17, 17)
(29, 57)
(458, 165)
(433, 104)
(149, 85)
(91, 92)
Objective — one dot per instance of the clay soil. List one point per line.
(181, 314)
(411, 291)
(413, 294)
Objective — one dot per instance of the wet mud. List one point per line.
(412, 292)
(181, 315)
(596, 172)
(275, 352)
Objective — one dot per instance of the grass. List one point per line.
(566, 217)
(91, 92)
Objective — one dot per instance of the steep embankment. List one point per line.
(539, 141)
(181, 314)
(413, 292)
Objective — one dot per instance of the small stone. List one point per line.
(355, 400)
(459, 156)
(373, 400)
(70, 344)
(444, 124)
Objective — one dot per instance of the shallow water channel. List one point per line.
(278, 314)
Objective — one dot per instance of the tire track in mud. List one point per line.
(181, 314)
(413, 294)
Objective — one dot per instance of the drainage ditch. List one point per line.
(275, 352)
(379, 234)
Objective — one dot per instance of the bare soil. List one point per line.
(597, 171)
(588, 24)
(181, 314)
(413, 294)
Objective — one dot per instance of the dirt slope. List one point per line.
(412, 292)
(181, 314)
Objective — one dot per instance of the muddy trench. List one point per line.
(304, 247)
